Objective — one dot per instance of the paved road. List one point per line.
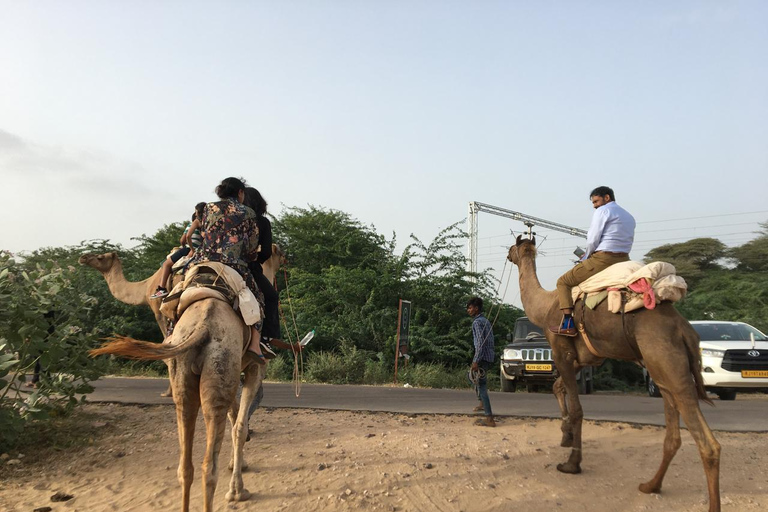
(745, 414)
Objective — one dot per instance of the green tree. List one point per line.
(692, 259)
(753, 255)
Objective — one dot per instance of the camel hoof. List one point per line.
(567, 441)
(243, 495)
(167, 394)
(571, 469)
(647, 488)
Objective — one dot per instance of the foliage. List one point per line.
(692, 259)
(44, 319)
(731, 295)
(753, 255)
(617, 375)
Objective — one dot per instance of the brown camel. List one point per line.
(660, 338)
(137, 292)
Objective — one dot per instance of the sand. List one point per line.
(313, 460)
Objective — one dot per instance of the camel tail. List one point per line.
(146, 350)
(691, 339)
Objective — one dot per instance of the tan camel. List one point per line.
(660, 338)
(137, 292)
(128, 292)
(205, 352)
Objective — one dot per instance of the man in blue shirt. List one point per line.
(482, 332)
(609, 241)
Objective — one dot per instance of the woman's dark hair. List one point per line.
(199, 207)
(603, 191)
(230, 188)
(254, 201)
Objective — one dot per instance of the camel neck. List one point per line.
(537, 301)
(128, 292)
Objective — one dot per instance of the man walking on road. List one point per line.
(482, 333)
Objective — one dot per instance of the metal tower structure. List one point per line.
(476, 207)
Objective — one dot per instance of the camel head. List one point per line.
(276, 250)
(101, 262)
(522, 247)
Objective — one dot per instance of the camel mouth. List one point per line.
(84, 259)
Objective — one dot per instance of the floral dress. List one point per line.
(230, 236)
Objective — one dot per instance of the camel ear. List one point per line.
(533, 240)
(519, 239)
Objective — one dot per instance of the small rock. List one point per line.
(428, 466)
(370, 435)
(348, 492)
(328, 445)
(13, 462)
(120, 454)
(322, 466)
(20, 456)
(61, 496)
(5, 456)
(42, 509)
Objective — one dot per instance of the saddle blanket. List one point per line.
(644, 285)
(243, 300)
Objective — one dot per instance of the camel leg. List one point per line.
(187, 406)
(565, 363)
(671, 444)
(709, 448)
(558, 389)
(253, 377)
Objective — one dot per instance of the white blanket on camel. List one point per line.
(664, 283)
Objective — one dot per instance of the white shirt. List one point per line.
(612, 230)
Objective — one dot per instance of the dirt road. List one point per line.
(315, 460)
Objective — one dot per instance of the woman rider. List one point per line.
(231, 237)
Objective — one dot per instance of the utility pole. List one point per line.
(529, 220)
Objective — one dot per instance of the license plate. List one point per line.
(754, 373)
(538, 367)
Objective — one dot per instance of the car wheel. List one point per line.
(727, 394)
(653, 389)
(508, 386)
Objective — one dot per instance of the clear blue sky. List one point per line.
(117, 117)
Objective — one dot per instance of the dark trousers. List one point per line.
(271, 328)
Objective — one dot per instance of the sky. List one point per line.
(118, 117)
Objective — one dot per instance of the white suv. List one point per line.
(734, 356)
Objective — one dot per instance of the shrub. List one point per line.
(43, 319)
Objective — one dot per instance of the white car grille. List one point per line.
(536, 354)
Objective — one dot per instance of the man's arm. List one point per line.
(595, 233)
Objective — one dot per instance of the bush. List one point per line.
(43, 319)
(433, 375)
(327, 367)
(280, 368)
(378, 371)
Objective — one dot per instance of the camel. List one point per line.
(128, 292)
(137, 292)
(660, 338)
(205, 353)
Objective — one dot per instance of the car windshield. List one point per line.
(728, 332)
(524, 329)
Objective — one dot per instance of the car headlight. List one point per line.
(512, 354)
(710, 352)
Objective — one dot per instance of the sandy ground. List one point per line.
(334, 461)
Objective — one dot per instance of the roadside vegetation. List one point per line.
(344, 280)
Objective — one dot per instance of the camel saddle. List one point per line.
(632, 285)
(213, 280)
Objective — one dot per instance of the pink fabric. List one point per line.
(643, 286)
